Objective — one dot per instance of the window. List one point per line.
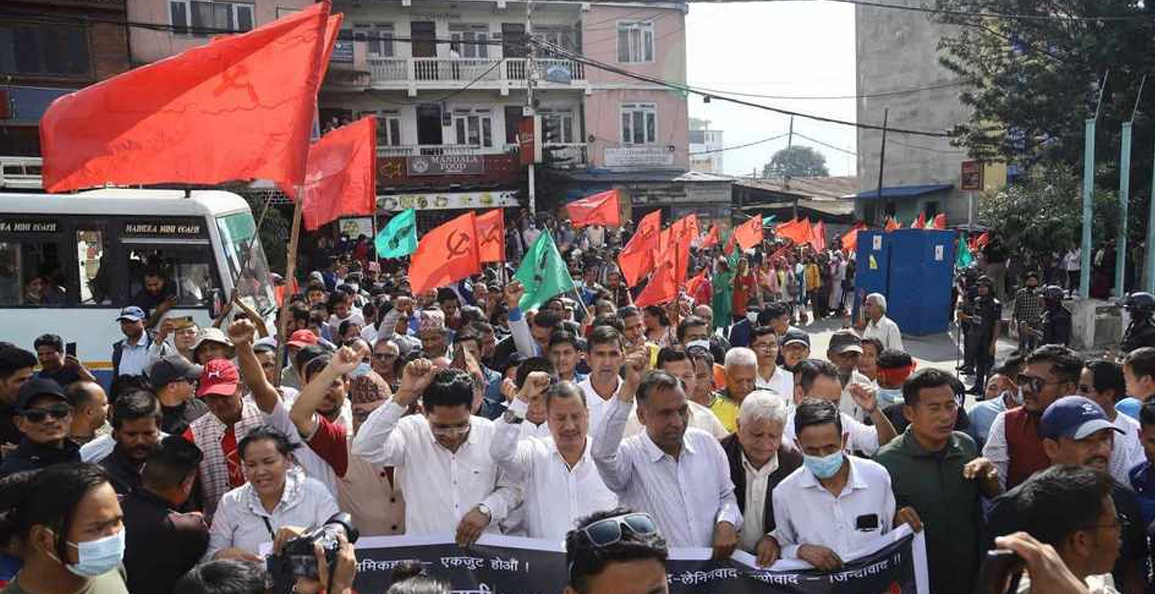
(202, 17)
(30, 273)
(90, 252)
(246, 261)
(469, 41)
(635, 42)
(44, 49)
(388, 127)
(473, 128)
(639, 123)
(186, 268)
(378, 38)
(557, 126)
(566, 37)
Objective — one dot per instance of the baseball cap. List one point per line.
(219, 377)
(131, 313)
(35, 387)
(170, 369)
(794, 335)
(845, 341)
(1075, 417)
(302, 338)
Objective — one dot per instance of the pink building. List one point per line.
(195, 21)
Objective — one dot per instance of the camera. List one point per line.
(297, 558)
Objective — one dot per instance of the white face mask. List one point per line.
(752, 316)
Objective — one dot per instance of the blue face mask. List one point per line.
(98, 557)
(823, 467)
(889, 396)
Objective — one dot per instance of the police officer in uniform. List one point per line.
(1056, 320)
(966, 286)
(1140, 332)
(981, 317)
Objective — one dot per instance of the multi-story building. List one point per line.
(449, 82)
(49, 48)
(705, 147)
(188, 23)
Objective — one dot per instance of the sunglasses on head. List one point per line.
(39, 415)
(604, 533)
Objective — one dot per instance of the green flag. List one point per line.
(543, 273)
(399, 238)
(768, 222)
(964, 257)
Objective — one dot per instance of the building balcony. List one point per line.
(557, 154)
(414, 74)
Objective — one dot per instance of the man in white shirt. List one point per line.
(814, 378)
(764, 343)
(835, 505)
(605, 361)
(678, 475)
(878, 325)
(1102, 382)
(561, 483)
(448, 479)
(844, 351)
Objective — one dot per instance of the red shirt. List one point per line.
(743, 286)
(232, 458)
(329, 442)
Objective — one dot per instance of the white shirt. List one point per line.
(781, 383)
(556, 496)
(995, 449)
(314, 466)
(439, 486)
(756, 480)
(597, 405)
(1127, 451)
(886, 331)
(806, 513)
(700, 418)
(863, 438)
(240, 518)
(687, 497)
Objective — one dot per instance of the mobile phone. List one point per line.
(1000, 573)
(70, 349)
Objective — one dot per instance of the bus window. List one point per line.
(30, 273)
(94, 278)
(156, 274)
(246, 260)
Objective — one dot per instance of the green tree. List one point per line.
(796, 161)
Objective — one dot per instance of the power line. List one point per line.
(741, 146)
(829, 146)
(821, 97)
(688, 89)
(985, 15)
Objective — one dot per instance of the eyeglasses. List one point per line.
(384, 356)
(1035, 384)
(604, 533)
(451, 431)
(39, 415)
(769, 346)
(1120, 522)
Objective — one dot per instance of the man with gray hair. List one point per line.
(759, 460)
(741, 368)
(878, 325)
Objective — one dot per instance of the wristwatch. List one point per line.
(512, 418)
(481, 507)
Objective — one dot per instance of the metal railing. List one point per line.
(413, 150)
(390, 71)
(21, 172)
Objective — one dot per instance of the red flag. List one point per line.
(446, 254)
(686, 226)
(599, 209)
(939, 221)
(491, 235)
(341, 178)
(712, 238)
(637, 258)
(919, 223)
(236, 109)
(749, 234)
(674, 244)
(818, 236)
(850, 239)
(892, 224)
(695, 286)
(798, 231)
(663, 285)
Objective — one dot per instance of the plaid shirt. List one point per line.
(1028, 307)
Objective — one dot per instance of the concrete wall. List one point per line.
(897, 52)
(150, 46)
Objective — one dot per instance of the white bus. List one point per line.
(69, 263)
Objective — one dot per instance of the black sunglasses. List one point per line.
(38, 415)
(604, 533)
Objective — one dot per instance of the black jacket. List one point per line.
(34, 456)
(161, 544)
(789, 460)
(125, 473)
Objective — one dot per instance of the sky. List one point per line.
(788, 49)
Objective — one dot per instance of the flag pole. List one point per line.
(290, 274)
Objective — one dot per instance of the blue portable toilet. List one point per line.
(921, 275)
(872, 266)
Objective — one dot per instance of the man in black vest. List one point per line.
(759, 460)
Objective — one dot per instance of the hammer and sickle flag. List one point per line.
(491, 235)
(399, 237)
(446, 255)
(543, 272)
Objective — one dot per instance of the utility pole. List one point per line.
(1125, 199)
(530, 80)
(882, 152)
(1088, 194)
(790, 140)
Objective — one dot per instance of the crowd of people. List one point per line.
(705, 422)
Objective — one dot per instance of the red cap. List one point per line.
(302, 339)
(219, 377)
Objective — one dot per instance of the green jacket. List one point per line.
(948, 505)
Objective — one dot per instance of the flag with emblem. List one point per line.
(712, 238)
(399, 237)
(637, 258)
(749, 234)
(543, 273)
(341, 177)
(491, 235)
(446, 255)
(600, 209)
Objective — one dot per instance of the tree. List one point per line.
(796, 161)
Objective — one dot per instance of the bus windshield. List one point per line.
(247, 265)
